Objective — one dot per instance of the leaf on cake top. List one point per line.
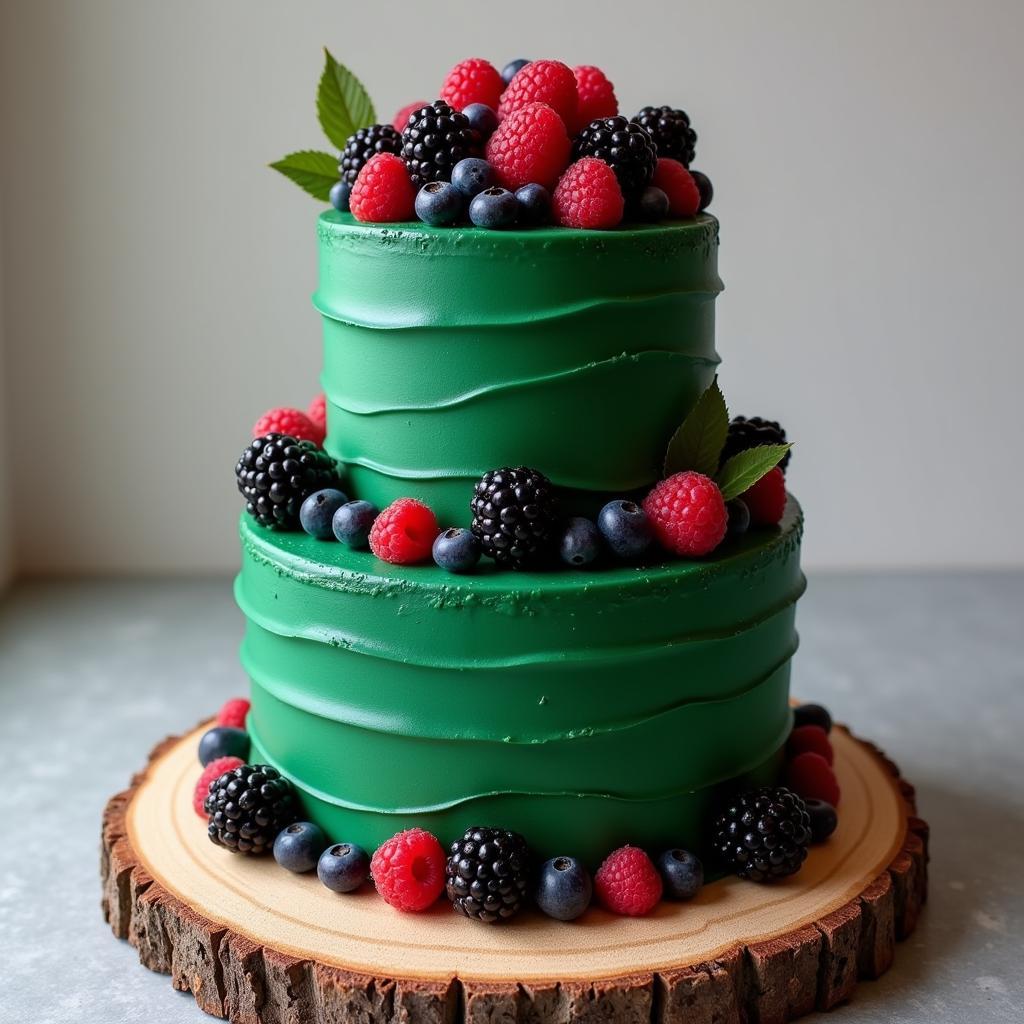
(745, 468)
(310, 169)
(697, 444)
(342, 103)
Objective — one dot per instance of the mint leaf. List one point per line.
(698, 443)
(744, 469)
(314, 171)
(342, 104)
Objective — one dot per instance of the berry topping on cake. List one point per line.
(298, 847)
(763, 835)
(534, 204)
(542, 81)
(233, 712)
(352, 523)
(739, 517)
(678, 184)
(339, 196)
(383, 192)
(495, 207)
(595, 95)
(403, 534)
(456, 550)
(530, 145)
(486, 874)
(652, 205)
(625, 528)
(482, 119)
(361, 145)
(624, 146)
(317, 413)
(628, 883)
(515, 516)
(670, 131)
(704, 186)
(213, 771)
(472, 175)
(408, 870)
(682, 873)
(767, 498)
(343, 867)
(248, 806)
(473, 81)
(317, 512)
(752, 433)
(588, 196)
(401, 118)
(512, 68)
(812, 738)
(824, 819)
(293, 422)
(811, 776)
(564, 889)
(812, 714)
(223, 741)
(435, 139)
(439, 203)
(581, 542)
(688, 514)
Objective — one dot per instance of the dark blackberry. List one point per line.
(763, 834)
(435, 139)
(248, 806)
(487, 874)
(377, 138)
(515, 516)
(625, 146)
(276, 474)
(671, 132)
(751, 433)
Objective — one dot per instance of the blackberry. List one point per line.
(671, 132)
(248, 806)
(435, 139)
(751, 433)
(625, 146)
(367, 142)
(763, 834)
(515, 516)
(487, 874)
(276, 474)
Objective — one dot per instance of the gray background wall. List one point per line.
(155, 285)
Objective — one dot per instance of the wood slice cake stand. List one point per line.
(254, 943)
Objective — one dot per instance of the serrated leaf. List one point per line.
(698, 443)
(342, 103)
(310, 169)
(744, 469)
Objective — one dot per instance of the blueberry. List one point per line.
(625, 528)
(343, 867)
(653, 204)
(223, 741)
(534, 204)
(682, 873)
(352, 522)
(340, 191)
(494, 208)
(472, 175)
(739, 516)
(508, 72)
(812, 714)
(823, 820)
(564, 888)
(456, 550)
(707, 193)
(482, 118)
(318, 510)
(439, 202)
(581, 542)
(297, 848)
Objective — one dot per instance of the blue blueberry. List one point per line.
(439, 202)
(340, 191)
(494, 208)
(581, 542)
(682, 873)
(812, 714)
(318, 510)
(223, 741)
(704, 187)
(343, 867)
(653, 204)
(456, 550)
(352, 522)
(739, 516)
(298, 847)
(482, 118)
(472, 175)
(508, 72)
(564, 888)
(625, 528)
(534, 204)
(823, 819)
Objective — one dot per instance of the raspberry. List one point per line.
(809, 775)
(408, 870)
(404, 532)
(688, 514)
(588, 196)
(542, 81)
(401, 119)
(234, 711)
(767, 498)
(293, 422)
(677, 183)
(595, 95)
(628, 883)
(317, 412)
(213, 771)
(530, 145)
(472, 81)
(811, 738)
(383, 192)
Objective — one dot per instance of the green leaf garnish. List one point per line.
(314, 171)
(342, 104)
(744, 469)
(698, 443)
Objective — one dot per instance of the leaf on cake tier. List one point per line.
(314, 171)
(744, 469)
(342, 103)
(697, 444)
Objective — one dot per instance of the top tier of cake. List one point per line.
(451, 351)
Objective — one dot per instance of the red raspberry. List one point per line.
(542, 81)
(404, 532)
(401, 119)
(595, 95)
(688, 514)
(213, 771)
(588, 195)
(293, 422)
(628, 883)
(383, 192)
(677, 183)
(233, 713)
(317, 412)
(408, 870)
(531, 144)
(810, 738)
(767, 498)
(472, 81)
(809, 775)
